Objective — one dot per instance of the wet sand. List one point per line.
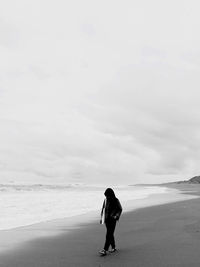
(161, 235)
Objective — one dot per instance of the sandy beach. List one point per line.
(158, 235)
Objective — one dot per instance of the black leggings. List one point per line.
(110, 240)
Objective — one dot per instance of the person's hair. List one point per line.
(109, 193)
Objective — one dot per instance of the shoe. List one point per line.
(103, 252)
(113, 250)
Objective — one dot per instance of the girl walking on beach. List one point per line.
(110, 214)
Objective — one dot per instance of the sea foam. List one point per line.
(22, 205)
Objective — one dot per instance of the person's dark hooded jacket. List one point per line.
(113, 208)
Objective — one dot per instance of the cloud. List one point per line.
(99, 92)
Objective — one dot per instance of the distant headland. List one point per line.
(193, 180)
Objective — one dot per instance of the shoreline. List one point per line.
(27, 240)
(27, 206)
(128, 205)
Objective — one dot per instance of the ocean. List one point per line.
(22, 205)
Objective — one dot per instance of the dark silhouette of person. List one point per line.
(110, 214)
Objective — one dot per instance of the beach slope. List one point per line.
(163, 235)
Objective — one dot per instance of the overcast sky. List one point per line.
(99, 91)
